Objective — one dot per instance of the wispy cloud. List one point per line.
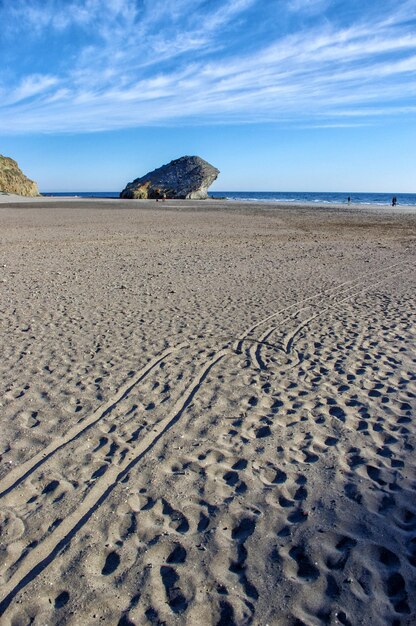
(30, 86)
(308, 5)
(124, 63)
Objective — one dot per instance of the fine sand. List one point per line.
(206, 414)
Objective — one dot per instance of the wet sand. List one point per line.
(207, 413)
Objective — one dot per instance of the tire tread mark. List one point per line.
(237, 346)
(43, 554)
(255, 350)
(288, 343)
(16, 476)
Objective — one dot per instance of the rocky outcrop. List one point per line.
(12, 179)
(187, 177)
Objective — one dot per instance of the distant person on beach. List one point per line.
(349, 200)
(394, 201)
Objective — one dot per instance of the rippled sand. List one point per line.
(207, 414)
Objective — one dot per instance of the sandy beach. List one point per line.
(207, 413)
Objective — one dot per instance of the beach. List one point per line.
(207, 413)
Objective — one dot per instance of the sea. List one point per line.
(322, 197)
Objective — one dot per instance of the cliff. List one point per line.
(12, 179)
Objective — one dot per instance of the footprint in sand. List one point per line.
(175, 598)
(240, 533)
(61, 600)
(111, 563)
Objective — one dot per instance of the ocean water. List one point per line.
(324, 197)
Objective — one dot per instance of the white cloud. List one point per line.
(32, 85)
(166, 62)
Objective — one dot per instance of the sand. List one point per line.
(207, 413)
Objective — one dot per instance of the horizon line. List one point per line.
(241, 191)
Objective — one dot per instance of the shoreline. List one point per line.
(13, 200)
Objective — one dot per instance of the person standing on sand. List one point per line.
(394, 201)
(349, 200)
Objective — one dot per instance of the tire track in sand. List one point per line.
(44, 553)
(238, 344)
(287, 343)
(254, 350)
(21, 472)
(289, 339)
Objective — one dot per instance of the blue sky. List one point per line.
(278, 94)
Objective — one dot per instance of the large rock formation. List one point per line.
(12, 179)
(187, 177)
